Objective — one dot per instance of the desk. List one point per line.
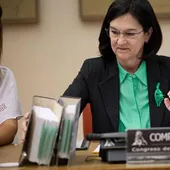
(11, 153)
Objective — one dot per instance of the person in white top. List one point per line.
(10, 109)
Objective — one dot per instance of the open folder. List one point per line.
(52, 131)
(68, 129)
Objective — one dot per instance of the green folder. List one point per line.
(41, 144)
(65, 138)
(68, 136)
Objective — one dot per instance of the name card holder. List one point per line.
(148, 146)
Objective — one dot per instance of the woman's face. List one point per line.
(127, 38)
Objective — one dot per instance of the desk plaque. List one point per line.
(148, 145)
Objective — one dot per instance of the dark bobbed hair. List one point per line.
(143, 12)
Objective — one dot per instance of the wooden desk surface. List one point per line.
(84, 160)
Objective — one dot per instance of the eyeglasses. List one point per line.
(112, 33)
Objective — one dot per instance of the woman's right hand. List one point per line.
(167, 101)
(25, 125)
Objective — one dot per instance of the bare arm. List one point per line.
(8, 130)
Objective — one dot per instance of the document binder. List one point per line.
(68, 129)
(52, 131)
(42, 131)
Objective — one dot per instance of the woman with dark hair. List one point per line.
(143, 13)
(127, 85)
(10, 109)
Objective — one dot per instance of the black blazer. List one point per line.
(97, 83)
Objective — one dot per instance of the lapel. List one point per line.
(153, 77)
(109, 89)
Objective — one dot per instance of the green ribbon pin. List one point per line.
(159, 96)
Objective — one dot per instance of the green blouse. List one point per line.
(134, 102)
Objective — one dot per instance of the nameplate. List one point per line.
(148, 145)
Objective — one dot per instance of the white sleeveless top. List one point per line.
(9, 101)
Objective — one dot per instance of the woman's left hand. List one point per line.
(167, 101)
(25, 125)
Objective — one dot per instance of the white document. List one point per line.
(97, 149)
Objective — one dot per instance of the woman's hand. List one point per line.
(167, 101)
(25, 125)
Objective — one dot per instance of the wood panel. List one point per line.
(95, 10)
(19, 11)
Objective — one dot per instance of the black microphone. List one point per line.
(100, 136)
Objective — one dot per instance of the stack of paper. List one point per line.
(44, 130)
(52, 131)
(69, 128)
